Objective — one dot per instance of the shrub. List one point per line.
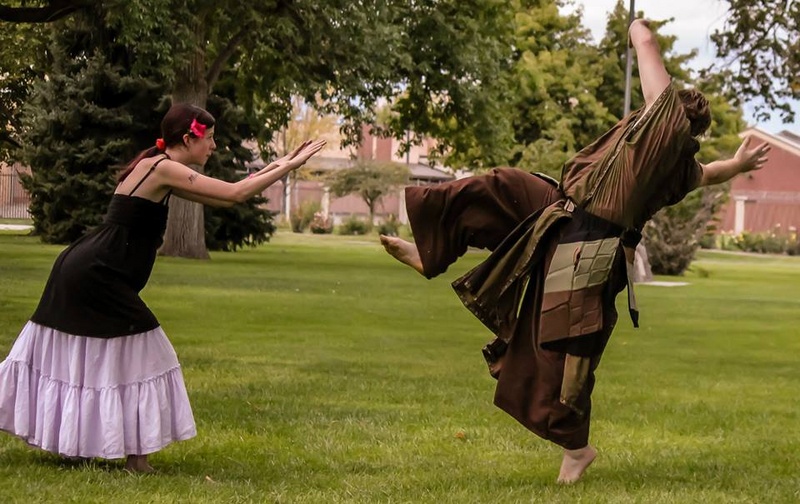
(727, 242)
(708, 241)
(673, 235)
(774, 243)
(793, 247)
(353, 226)
(390, 227)
(303, 215)
(321, 224)
(770, 242)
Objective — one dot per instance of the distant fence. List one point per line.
(14, 200)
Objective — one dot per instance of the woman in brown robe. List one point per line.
(562, 252)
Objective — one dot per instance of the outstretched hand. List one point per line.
(301, 154)
(283, 159)
(307, 151)
(751, 159)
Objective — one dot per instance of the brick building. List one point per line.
(284, 198)
(769, 198)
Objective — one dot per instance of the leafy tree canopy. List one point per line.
(759, 48)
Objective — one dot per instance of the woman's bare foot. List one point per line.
(575, 463)
(403, 251)
(138, 464)
(75, 459)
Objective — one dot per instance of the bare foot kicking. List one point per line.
(403, 251)
(138, 464)
(575, 463)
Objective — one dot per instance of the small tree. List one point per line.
(673, 235)
(369, 179)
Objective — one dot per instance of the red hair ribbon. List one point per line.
(161, 144)
(197, 129)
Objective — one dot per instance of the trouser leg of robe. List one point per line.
(477, 211)
(480, 212)
(529, 386)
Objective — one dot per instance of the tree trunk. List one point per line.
(642, 272)
(371, 205)
(185, 235)
(287, 198)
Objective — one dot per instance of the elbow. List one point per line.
(711, 179)
(239, 196)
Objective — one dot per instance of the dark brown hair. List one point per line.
(697, 110)
(174, 125)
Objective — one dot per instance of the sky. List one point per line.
(695, 21)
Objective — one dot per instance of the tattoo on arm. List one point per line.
(192, 177)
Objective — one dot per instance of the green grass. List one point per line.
(321, 371)
(25, 222)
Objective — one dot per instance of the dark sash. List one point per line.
(572, 305)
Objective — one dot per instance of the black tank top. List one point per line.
(93, 288)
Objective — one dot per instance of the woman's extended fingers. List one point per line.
(760, 156)
(309, 151)
(298, 149)
(313, 148)
(755, 158)
(746, 142)
(302, 149)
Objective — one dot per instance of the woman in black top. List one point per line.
(92, 374)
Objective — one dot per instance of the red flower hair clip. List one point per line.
(161, 144)
(197, 129)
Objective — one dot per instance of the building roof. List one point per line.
(784, 139)
(425, 172)
(791, 137)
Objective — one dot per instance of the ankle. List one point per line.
(579, 453)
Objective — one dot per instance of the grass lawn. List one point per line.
(322, 371)
(25, 222)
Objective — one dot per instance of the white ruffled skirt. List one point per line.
(94, 397)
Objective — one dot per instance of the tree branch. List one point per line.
(225, 54)
(6, 138)
(53, 11)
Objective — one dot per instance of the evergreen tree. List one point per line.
(101, 104)
(80, 125)
(556, 111)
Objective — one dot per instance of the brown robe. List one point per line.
(643, 163)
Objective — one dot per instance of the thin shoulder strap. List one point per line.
(152, 168)
(165, 200)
